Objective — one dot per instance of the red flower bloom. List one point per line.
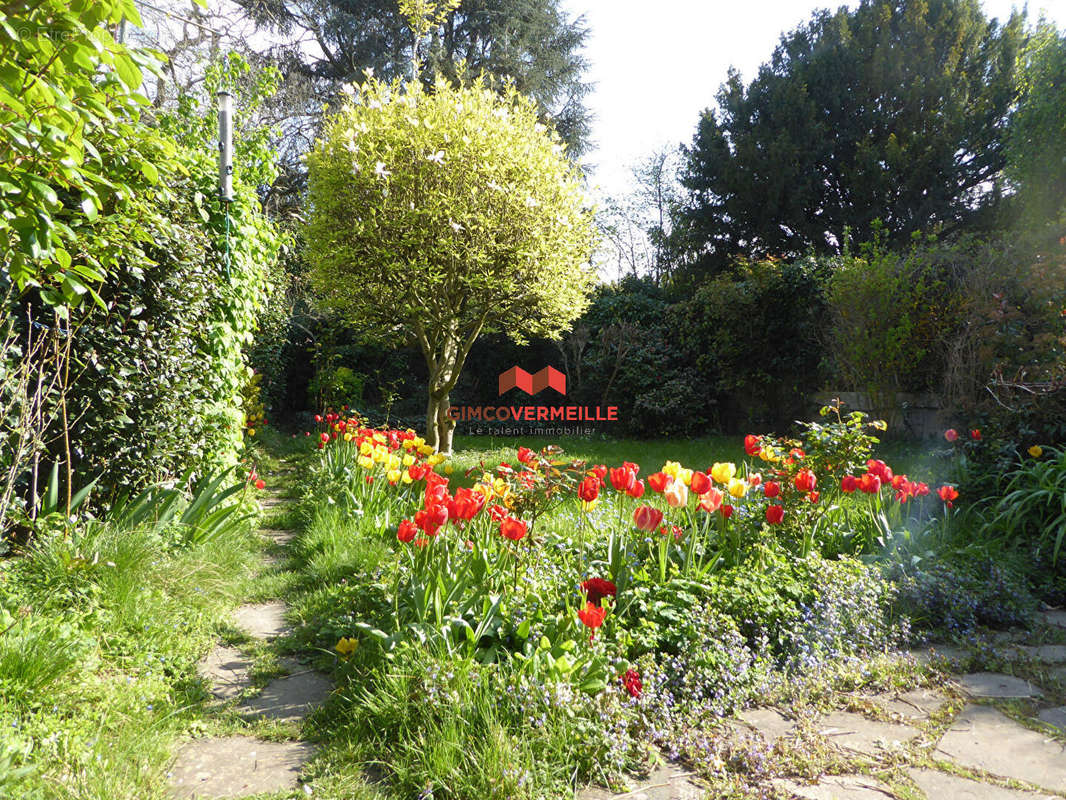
(805, 481)
(466, 505)
(631, 680)
(318, 417)
(975, 434)
(849, 483)
(948, 494)
(711, 500)
(600, 471)
(647, 518)
(814, 497)
(700, 482)
(880, 469)
(726, 511)
(775, 514)
(754, 479)
(658, 481)
(589, 489)
(595, 589)
(513, 529)
(771, 489)
(526, 456)
(432, 518)
(407, 531)
(636, 491)
(324, 437)
(622, 479)
(419, 471)
(592, 616)
(752, 445)
(870, 483)
(920, 489)
(951, 434)
(259, 484)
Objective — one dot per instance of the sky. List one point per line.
(657, 65)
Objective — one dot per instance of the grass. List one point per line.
(97, 662)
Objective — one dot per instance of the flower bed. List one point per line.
(623, 607)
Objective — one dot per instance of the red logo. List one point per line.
(516, 377)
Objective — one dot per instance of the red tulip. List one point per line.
(805, 481)
(622, 479)
(951, 434)
(589, 489)
(869, 483)
(432, 518)
(324, 437)
(466, 505)
(600, 471)
(813, 497)
(497, 513)
(752, 445)
(636, 491)
(592, 615)
(775, 514)
(407, 531)
(658, 481)
(771, 489)
(849, 483)
(948, 494)
(975, 434)
(726, 511)
(647, 518)
(525, 455)
(754, 479)
(513, 529)
(318, 417)
(259, 484)
(700, 482)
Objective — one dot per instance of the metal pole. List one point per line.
(225, 160)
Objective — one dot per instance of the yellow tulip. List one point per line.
(408, 460)
(366, 448)
(723, 472)
(1036, 451)
(406, 477)
(366, 462)
(447, 469)
(345, 647)
(348, 437)
(671, 468)
(434, 459)
(393, 475)
(685, 476)
(737, 487)
(425, 449)
(251, 431)
(418, 441)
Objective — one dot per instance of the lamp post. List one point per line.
(225, 159)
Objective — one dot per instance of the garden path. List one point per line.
(978, 735)
(238, 765)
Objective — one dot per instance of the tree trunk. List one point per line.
(431, 421)
(445, 426)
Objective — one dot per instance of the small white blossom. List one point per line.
(455, 226)
(436, 158)
(380, 170)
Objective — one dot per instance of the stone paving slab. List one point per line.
(226, 670)
(942, 785)
(917, 704)
(1056, 618)
(869, 737)
(1055, 716)
(273, 502)
(667, 782)
(1050, 653)
(236, 766)
(262, 620)
(993, 684)
(278, 537)
(838, 787)
(291, 698)
(986, 739)
(769, 722)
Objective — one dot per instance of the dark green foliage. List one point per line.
(532, 42)
(754, 335)
(894, 111)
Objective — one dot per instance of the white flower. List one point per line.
(373, 104)
(436, 158)
(348, 89)
(455, 225)
(380, 170)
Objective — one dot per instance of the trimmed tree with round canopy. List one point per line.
(440, 215)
